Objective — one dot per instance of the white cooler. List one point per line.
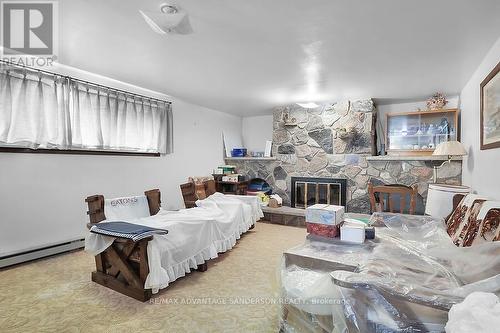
(440, 199)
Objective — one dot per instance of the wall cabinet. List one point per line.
(418, 133)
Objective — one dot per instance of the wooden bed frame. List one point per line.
(192, 192)
(123, 266)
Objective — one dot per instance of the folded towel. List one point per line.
(127, 230)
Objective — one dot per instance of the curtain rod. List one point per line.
(84, 81)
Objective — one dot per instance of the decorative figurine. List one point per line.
(437, 101)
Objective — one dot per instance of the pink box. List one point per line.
(323, 230)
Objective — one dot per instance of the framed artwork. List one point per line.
(490, 110)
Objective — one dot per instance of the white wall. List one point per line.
(256, 131)
(42, 195)
(481, 166)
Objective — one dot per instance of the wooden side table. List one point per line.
(239, 188)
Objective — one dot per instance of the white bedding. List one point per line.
(195, 235)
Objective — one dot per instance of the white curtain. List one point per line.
(104, 119)
(38, 111)
(33, 111)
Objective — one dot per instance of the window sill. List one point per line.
(74, 152)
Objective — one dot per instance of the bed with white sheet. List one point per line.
(195, 235)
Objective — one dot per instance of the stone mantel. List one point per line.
(250, 159)
(411, 158)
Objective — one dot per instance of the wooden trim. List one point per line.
(411, 113)
(74, 152)
(492, 145)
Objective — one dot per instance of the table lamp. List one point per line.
(450, 149)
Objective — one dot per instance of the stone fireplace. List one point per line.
(336, 141)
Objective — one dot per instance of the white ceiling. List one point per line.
(247, 56)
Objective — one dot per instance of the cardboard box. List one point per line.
(325, 214)
(234, 178)
(352, 233)
(273, 203)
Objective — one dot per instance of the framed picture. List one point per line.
(490, 110)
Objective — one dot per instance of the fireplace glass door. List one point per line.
(308, 193)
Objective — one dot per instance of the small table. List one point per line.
(238, 188)
(317, 254)
(320, 264)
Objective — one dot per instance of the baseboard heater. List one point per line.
(47, 251)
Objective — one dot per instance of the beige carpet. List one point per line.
(56, 294)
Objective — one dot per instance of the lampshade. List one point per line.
(450, 148)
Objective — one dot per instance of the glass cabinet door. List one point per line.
(420, 131)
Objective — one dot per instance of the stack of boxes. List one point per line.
(227, 173)
(328, 221)
(324, 220)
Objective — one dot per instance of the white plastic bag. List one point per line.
(478, 313)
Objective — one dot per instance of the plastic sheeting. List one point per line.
(405, 280)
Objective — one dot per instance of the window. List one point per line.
(47, 111)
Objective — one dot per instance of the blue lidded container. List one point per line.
(239, 152)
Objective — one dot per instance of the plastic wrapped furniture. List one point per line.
(405, 280)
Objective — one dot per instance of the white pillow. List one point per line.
(126, 208)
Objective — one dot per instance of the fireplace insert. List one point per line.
(308, 191)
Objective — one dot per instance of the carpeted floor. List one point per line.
(56, 294)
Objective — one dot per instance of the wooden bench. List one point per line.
(124, 266)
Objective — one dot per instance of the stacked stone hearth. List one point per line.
(334, 141)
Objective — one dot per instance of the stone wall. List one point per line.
(335, 141)
(358, 171)
(311, 134)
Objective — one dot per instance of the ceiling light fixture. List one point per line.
(308, 105)
(168, 9)
(170, 19)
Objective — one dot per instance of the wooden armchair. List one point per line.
(383, 198)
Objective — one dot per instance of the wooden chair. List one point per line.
(382, 198)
